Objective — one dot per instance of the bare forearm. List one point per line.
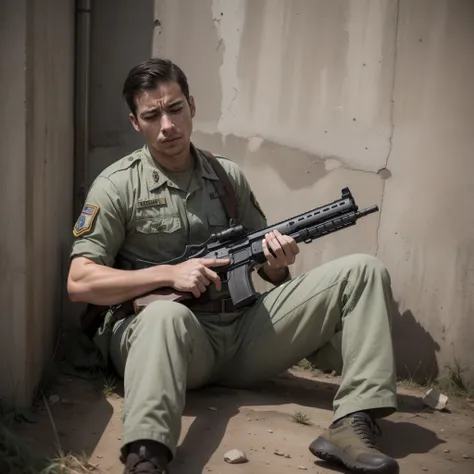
(100, 285)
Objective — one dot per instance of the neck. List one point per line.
(180, 162)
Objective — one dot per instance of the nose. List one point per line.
(166, 124)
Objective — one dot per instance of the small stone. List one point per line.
(465, 456)
(287, 456)
(235, 457)
(424, 469)
(212, 408)
(278, 453)
(302, 468)
(435, 399)
(249, 419)
(270, 431)
(54, 399)
(446, 451)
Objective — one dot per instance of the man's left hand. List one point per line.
(280, 250)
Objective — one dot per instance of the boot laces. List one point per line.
(366, 428)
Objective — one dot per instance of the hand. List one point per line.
(280, 250)
(194, 275)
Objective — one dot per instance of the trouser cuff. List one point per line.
(381, 407)
(159, 437)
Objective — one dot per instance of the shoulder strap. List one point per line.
(224, 188)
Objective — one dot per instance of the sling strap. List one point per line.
(224, 188)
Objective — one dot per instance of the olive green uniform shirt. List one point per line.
(136, 210)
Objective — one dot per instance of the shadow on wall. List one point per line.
(121, 37)
(415, 348)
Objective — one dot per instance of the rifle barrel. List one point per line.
(367, 211)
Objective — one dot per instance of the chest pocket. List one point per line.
(159, 235)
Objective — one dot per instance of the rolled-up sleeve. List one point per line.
(100, 229)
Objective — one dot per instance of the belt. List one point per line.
(223, 305)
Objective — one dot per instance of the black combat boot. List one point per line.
(351, 442)
(146, 457)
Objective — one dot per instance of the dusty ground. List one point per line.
(259, 423)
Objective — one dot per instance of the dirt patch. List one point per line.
(259, 422)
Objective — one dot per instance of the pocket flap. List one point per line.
(167, 224)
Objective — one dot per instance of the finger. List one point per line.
(276, 247)
(200, 286)
(195, 291)
(212, 276)
(290, 241)
(270, 258)
(214, 262)
(206, 282)
(290, 248)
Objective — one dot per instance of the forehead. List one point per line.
(161, 95)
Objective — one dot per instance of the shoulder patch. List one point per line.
(254, 201)
(85, 220)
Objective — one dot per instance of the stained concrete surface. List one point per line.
(36, 132)
(376, 96)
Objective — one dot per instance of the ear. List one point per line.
(192, 106)
(134, 121)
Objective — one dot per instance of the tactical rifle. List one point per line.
(244, 249)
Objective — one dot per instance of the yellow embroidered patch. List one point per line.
(254, 201)
(85, 220)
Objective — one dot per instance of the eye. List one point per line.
(175, 108)
(150, 117)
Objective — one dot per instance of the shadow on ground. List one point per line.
(74, 415)
(209, 427)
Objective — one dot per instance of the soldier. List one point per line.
(149, 205)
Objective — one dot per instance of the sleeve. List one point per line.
(100, 228)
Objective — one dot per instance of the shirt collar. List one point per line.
(157, 178)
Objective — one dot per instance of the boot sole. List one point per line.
(327, 451)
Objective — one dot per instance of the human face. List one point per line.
(164, 116)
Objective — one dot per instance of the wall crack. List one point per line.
(392, 124)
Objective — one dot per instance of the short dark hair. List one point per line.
(148, 75)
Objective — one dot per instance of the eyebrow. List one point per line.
(175, 102)
(171, 104)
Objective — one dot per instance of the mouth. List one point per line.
(170, 140)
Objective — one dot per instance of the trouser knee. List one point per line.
(364, 265)
(164, 314)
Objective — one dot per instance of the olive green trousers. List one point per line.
(337, 315)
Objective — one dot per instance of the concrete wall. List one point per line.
(36, 132)
(124, 27)
(310, 96)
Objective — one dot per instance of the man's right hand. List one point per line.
(194, 275)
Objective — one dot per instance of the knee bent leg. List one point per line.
(365, 264)
(164, 313)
